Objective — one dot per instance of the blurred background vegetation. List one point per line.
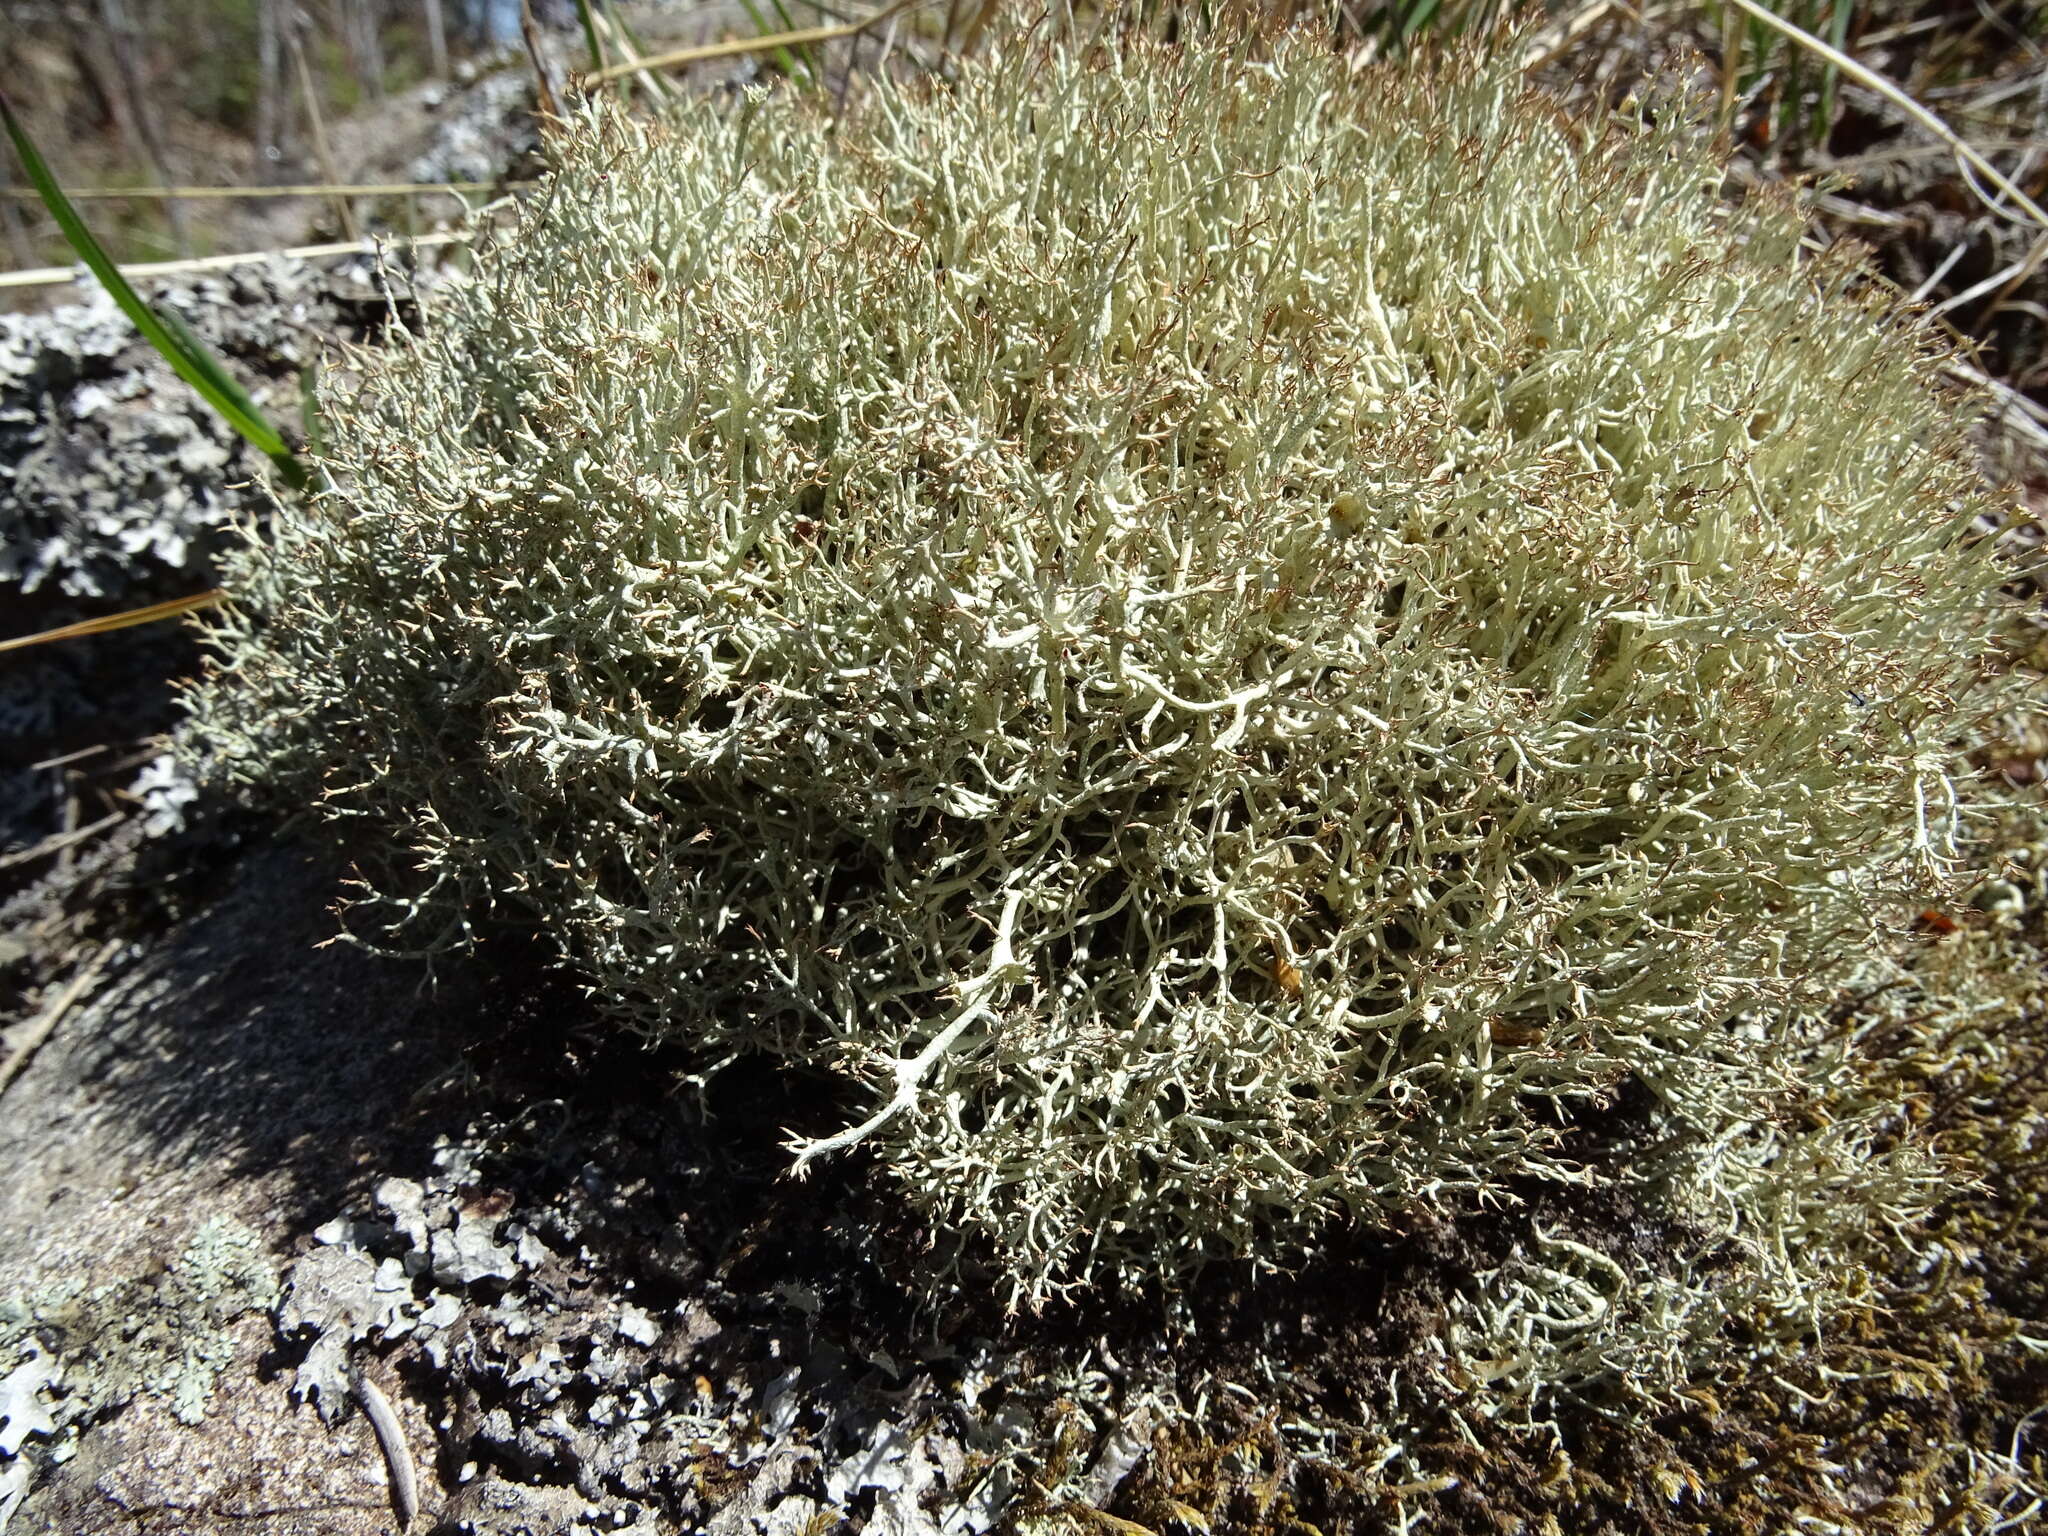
(150, 94)
(168, 93)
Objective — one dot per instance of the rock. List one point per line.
(116, 480)
(491, 1506)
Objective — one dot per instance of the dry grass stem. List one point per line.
(1899, 97)
(736, 47)
(34, 277)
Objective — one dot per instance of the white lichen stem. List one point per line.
(405, 1490)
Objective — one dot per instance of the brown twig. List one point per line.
(1553, 40)
(547, 102)
(72, 831)
(1897, 95)
(53, 1015)
(405, 1488)
(58, 842)
(38, 276)
(290, 189)
(319, 127)
(69, 758)
(615, 32)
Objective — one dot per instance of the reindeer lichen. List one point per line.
(1229, 644)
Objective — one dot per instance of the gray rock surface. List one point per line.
(271, 1160)
(219, 1074)
(115, 478)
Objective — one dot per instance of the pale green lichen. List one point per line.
(1228, 642)
(160, 1335)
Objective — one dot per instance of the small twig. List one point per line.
(58, 842)
(151, 749)
(70, 835)
(1907, 154)
(53, 1015)
(113, 621)
(629, 49)
(1834, 206)
(69, 758)
(2016, 412)
(1919, 295)
(2026, 270)
(546, 100)
(405, 1489)
(2005, 279)
(1553, 40)
(1851, 212)
(889, 45)
(253, 1512)
(319, 127)
(289, 189)
(734, 48)
(1903, 30)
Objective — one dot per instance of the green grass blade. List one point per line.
(790, 65)
(222, 391)
(186, 354)
(1417, 18)
(1838, 34)
(590, 34)
(808, 55)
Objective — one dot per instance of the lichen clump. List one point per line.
(1226, 642)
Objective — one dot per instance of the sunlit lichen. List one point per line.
(1229, 643)
(160, 1335)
